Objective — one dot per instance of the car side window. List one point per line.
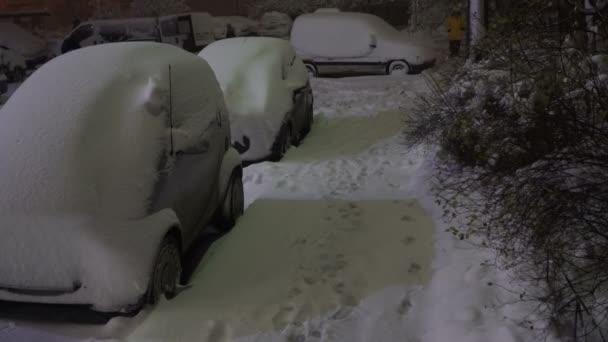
(169, 27)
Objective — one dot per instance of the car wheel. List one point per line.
(312, 69)
(167, 271)
(398, 68)
(309, 120)
(234, 202)
(282, 143)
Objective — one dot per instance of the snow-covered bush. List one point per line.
(524, 137)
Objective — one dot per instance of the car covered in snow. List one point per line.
(113, 159)
(33, 48)
(95, 32)
(12, 64)
(267, 92)
(334, 42)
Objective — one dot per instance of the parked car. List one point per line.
(190, 31)
(335, 42)
(94, 32)
(267, 92)
(114, 159)
(34, 49)
(12, 64)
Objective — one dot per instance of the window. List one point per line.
(169, 27)
(113, 32)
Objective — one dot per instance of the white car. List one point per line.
(113, 159)
(335, 42)
(267, 92)
(12, 64)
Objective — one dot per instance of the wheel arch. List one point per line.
(392, 61)
(230, 162)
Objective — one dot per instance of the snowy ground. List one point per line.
(341, 241)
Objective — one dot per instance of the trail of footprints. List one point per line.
(325, 270)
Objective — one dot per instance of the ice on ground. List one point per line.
(288, 262)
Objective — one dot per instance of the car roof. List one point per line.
(90, 126)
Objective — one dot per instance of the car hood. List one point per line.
(107, 261)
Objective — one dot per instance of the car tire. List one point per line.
(167, 271)
(312, 69)
(398, 68)
(284, 142)
(233, 205)
(309, 121)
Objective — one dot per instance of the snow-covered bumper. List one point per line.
(79, 260)
(254, 136)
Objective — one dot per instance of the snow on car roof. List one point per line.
(85, 132)
(329, 19)
(250, 71)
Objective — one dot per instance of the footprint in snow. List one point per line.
(406, 218)
(218, 333)
(408, 240)
(259, 179)
(281, 184)
(414, 268)
(294, 292)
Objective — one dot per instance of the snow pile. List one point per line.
(258, 81)
(275, 24)
(18, 39)
(80, 161)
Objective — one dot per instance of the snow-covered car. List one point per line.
(334, 42)
(267, 92)
(12, 64)
(275, 24)
(34, 49)
(95, 32)
(113, 159)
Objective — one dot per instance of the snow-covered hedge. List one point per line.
(524, 137)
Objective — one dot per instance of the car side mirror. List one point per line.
(373, 41)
